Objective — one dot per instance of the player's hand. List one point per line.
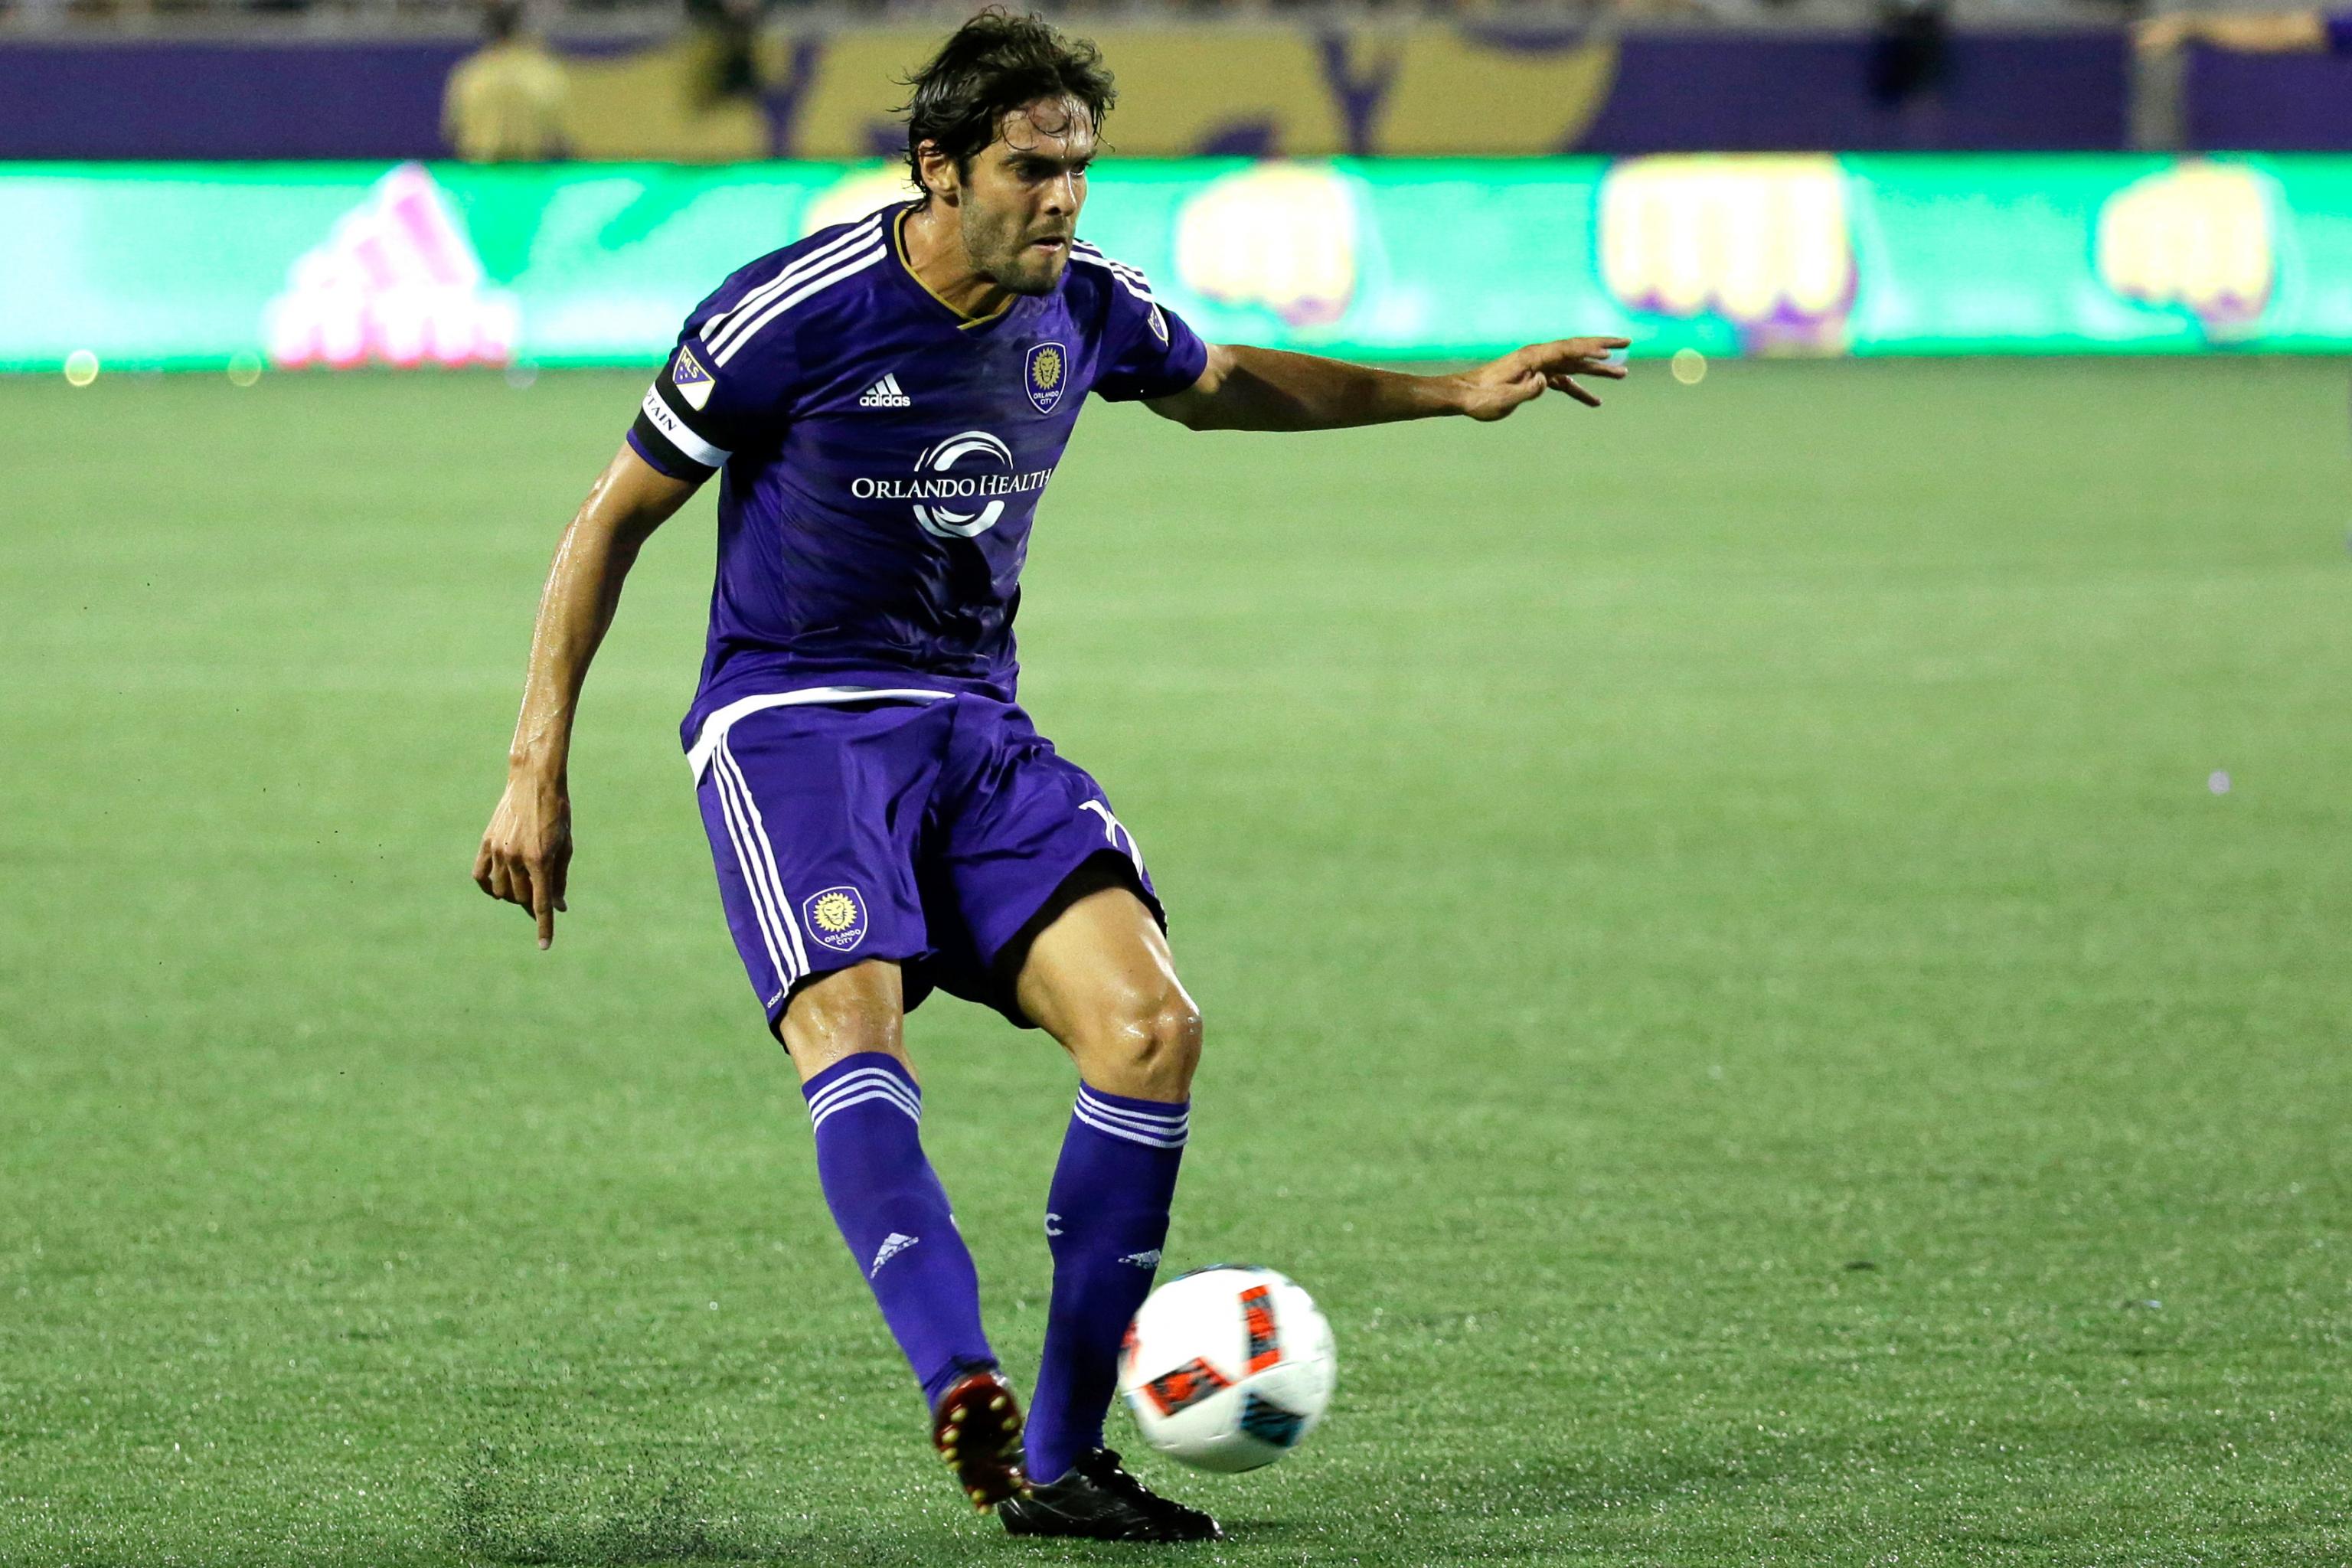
(1493, 390)
(527, 851)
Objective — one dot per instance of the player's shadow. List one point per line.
(504, 1509)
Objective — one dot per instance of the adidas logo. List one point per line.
(1143, 1260)
(397, 280)
(892, 1245)
(885, 394)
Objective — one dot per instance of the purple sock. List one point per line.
(894, 1215)
(1106, 1216)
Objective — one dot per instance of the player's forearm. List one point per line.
(576, 607)
(583, 589)
(1269, 389)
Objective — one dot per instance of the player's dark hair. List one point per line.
(994, 64)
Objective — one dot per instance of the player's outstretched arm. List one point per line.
(525, 853)
(1245, 388)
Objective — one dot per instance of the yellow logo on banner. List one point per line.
(1762, 242)
(2196, 237)
(1280, 235)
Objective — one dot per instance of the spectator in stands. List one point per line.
(2161, 46)
(505, 102)
(725, 35)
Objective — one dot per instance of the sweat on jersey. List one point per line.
(882, 455)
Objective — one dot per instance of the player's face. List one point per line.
(1020, 204)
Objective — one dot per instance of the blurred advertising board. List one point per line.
(197, 266)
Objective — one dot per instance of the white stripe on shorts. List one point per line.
(770, 937)
(723, 761)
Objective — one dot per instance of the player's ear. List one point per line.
(939, 171)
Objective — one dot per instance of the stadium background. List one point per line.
(1773, 953)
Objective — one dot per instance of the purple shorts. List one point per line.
(934, 833)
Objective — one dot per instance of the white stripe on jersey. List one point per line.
(1134, 282)
(746, 328)
(667, 422)
(798, 268)
(1114, 263)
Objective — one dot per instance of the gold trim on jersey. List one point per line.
(899, 248)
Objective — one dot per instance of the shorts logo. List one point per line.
(693, 382)
(1159, 324)
(836, 918)
(1046, 373)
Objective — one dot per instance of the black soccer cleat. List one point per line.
(977, 1430)
(1098, 1500)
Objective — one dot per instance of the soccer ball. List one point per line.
(1227, 1368)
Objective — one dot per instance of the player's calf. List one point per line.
(866, 1110)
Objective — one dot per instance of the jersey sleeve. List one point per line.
(1148, 349)
(705, 406)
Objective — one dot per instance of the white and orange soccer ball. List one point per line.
(1228, 1368)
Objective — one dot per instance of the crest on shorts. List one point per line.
(1046, 372)
(836, 918)
(693, 382)
(1159, 324)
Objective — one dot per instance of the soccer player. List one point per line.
(885, 402)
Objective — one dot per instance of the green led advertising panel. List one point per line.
(193, 266)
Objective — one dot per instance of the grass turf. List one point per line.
(1725, 969)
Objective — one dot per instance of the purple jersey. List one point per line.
(883, 456)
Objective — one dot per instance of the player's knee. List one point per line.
(1153, 1049)
(843, 1013)
(1175, 1033)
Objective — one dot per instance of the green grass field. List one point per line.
(1727, 969)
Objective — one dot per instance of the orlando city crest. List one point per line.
(693, 382)
(836, 918)
(1046, 373)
